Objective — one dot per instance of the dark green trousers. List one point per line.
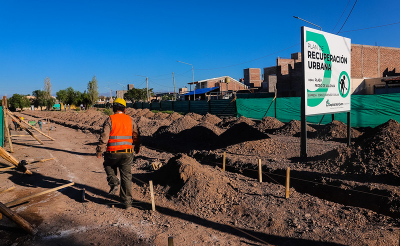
(123, 162)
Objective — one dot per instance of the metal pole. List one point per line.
(348, 129)
(303, 140)
(194, 89)
(147, 82)
(173, 76)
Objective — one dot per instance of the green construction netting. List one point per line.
(366, 110)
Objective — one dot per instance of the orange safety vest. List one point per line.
(121, 133)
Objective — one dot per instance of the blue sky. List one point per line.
(70, 41)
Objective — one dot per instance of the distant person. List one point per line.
(40, 124)
(117, 138)
(15, 125)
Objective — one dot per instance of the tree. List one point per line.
(167, 97)
(47, 94)
(62, 96)
(40, 99)
(138, 94)
(93, 91)
(18, 101)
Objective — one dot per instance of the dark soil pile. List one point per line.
(269, 123)
(335, 130)
(211, 119)
(226, 122)
(179, 125)
(377, 152)
(292, 128)
(195, 116)
(149, 114)
(238, 133)
(148, 127)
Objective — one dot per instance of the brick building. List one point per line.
(369, 64)
(226, 86)
(252, 77)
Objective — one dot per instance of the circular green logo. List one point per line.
(344, 84)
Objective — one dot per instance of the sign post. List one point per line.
(327, 77)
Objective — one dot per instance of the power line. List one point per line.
(341, 15)
(372, 27)
(347, 16)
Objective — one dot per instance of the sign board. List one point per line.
(327, 72)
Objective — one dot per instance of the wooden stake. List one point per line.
(19, 201)
(39, 131)
(10, 158)
(259, 171)
(17, 219)
(287, 181)
(223, 162)
(153, 205)
(170, 241)
(7, 129)
(23, 127)
(11, 188)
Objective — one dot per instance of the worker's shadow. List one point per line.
(76, 192)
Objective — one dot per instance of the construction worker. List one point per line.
(119, 134)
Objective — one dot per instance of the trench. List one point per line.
(323, 186)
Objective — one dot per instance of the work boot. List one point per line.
(113, 190)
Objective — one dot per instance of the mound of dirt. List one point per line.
(142, 112)
(269, 123)
(240, 132)
(377, 152)
(336, 129)
(179, 125)
(174, 116)
(149, 114)
(160, 116)
(211, 119)
(195, 116)
(130, 111)
(148, 127)
(199, 187)
(292, 128)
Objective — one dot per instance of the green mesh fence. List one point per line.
(366, 110)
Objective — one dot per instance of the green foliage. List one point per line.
(93, 91)
(18, 101)
(62, 96)
(138, 94)
(165, 111)
(108, 111)
(43, 99)
(167, 97)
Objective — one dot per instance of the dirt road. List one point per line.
(196, 202)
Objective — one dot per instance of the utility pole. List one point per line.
(173, 76)
(147, 82)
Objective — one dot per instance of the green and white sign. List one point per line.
(327, 72)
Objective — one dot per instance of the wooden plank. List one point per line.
(259, 171)
(23, 127)
(11, 188)
(17, 219)
(153, 205)
(223, 162)
(7, 129)
(43, 160)
(21, 200)
(39, 131)
(287, 181)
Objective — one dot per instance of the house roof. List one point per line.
(201, 91)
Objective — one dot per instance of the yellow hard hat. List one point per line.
(120, 101)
